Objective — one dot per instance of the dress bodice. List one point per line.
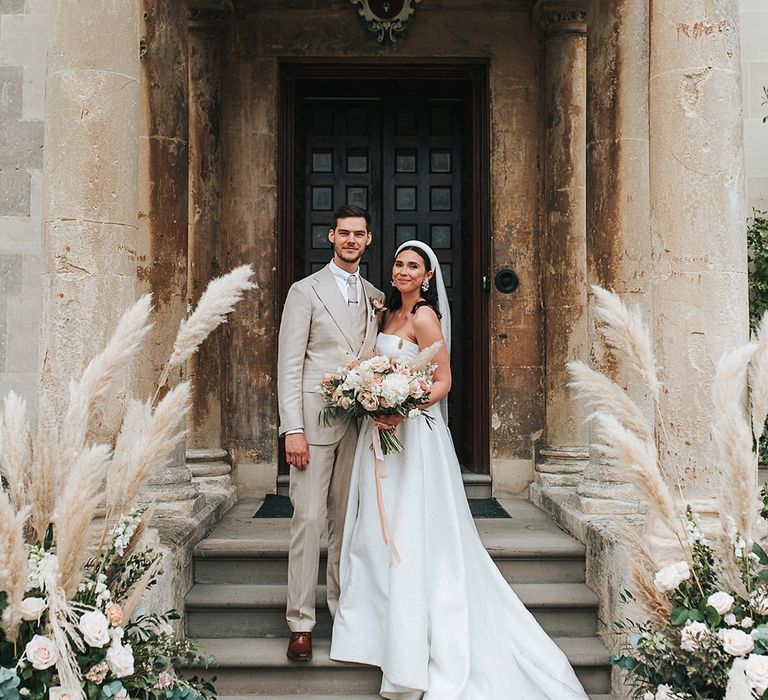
(395, 347)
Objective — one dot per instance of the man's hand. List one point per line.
(297, 450)
(389, 422)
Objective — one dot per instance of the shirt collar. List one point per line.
(342, 275)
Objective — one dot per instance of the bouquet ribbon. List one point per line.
(380, 469)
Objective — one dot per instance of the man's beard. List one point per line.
(345, 253)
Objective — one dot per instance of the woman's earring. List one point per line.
(393, 283)
(425, 284)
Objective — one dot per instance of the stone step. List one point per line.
(475, 485)
(251, 666)
(525, 558)
(220, 611)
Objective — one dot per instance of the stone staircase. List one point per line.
(236, 608)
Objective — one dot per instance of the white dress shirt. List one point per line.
(341, 277)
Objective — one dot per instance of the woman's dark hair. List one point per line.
(395, 300)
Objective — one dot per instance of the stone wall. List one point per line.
(754, 58)
(23, 41)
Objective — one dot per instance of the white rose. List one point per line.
(367, 401)
(122, 694)
(670, 577)
(747, 622)
(32, 608)
(415, 413)
(664, 692)
(730, 619)
(120, 660)
(41, 652)
(395, 389)
(756, 671)
(692, 634)
(736, 642)
(95, 628)
(59, 693)
(721, 602)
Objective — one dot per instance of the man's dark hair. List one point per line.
(347, 210)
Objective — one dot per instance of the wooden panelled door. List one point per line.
(398, 150)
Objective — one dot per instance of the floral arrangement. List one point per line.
(703, 585)
(381, 386)
(73, 560)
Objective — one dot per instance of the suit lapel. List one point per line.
(328, 292)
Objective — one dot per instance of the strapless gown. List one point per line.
(443, 624)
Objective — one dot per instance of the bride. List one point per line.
(442, 623)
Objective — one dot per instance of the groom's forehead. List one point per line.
(352, 223)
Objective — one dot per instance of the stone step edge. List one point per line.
(246, 548)
(217, 596)
(268, 653)
(467, 477)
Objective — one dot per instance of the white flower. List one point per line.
(352, 381)
(59, 693)
(41, 652)
(367, 401)
(415, 413)
(756, 671)
(122, 694)
(664, 692)
(95, 628)
(32, 608)
(747, 622)
(670, 577)
(735, 642)
(395, 389)
(116, 634)
(721, 602)
(692, 634)
(648, 695)
(120, 660)
(730, 619)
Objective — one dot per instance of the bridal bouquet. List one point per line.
(74, 564)
(381, 386)
(703, 584)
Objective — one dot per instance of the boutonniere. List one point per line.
(377, 306)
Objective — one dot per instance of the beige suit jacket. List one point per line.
(316, 336)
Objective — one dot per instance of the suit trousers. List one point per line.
(319, 496)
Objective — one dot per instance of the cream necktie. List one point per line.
(352, 289)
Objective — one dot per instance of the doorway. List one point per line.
(407, 145)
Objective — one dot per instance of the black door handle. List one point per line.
(506, 281)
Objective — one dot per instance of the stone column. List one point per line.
(698, 216)
(618, 204)
(163, 202)
(90, 223)
(564, 264)
(204, 261)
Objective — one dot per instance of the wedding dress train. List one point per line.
(443, 624)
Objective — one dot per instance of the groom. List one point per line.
(328, 321)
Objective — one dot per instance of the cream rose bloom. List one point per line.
(670, 577)
(730, 619)
(120, 660)
(735, 642)
(114, 614)
(692, 634)
(756, 671)
(395, 389)
(367, 401)
(32, 608)
(41, 652)
(59, 693)
(95, 628)
(721, 601)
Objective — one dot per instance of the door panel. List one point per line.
(404, 151)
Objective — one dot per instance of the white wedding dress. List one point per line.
(443, 624)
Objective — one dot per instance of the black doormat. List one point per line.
(280, 507)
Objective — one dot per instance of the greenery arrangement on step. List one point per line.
(757, 242)
(702, 587)
(74, 559)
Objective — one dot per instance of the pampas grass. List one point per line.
(624, 331)
(44, 470)
(15, 448)
(758, 379)
(732, 436)
(423, 360)
(13, 563)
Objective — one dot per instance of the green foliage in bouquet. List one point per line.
(757, 242)
(71, 582)
(703, 587)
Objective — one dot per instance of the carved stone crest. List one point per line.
(386, 18)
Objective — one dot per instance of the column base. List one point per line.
(561, 466)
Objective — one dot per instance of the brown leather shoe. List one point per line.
(300, 647)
